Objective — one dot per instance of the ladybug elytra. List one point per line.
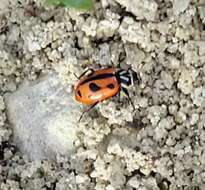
(95, 86)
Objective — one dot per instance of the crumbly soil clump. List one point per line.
(160, 145)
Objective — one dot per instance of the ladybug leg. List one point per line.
(121, 59)
(86, 71)
(128, 96)
(119, 97)
(134, 76)
(87, 110)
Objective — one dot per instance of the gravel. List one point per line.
(158, 146)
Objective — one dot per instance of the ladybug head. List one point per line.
(127, 77)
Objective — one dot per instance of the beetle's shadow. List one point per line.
(137, 122)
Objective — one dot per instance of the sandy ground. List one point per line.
(159, 146)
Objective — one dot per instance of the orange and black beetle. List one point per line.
(95, 86)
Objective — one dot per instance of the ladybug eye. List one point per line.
(79, 93)
(111, 86)
(94, 87)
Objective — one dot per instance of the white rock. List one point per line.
(167, 79)
(114, 147)
(110, 187)
(13, 34)
(116, 170)
(180, 117)
(180, 6)
(7, 64)
(174, 63)
(170, 141)
(135, 56)
(151, 183)
(194, 118)
(146, 9)
(104, 55)
(191, 55)
(33, 44)
(134, 32)
(2, 118)
(198, 96)
(100, 170)
(182, 34)
(2, 105)
(167, 123)
(172, 109)
(201, 46)
(155, 113)
(4, 5)
(142, 102)
(202, 13)
(185, 82)
(43, 117)
(100, 186)
(82, 178)
(114, 116)
(108, 26)
(90, 27)
(134, 182)
(4, 134)
(160, 132)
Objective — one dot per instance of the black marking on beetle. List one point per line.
(98, 77)
(126, 82)
(111, 86)
(90, 74)
(120, 73)
(79, 93)
(94, 87)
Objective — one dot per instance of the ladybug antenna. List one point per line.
(128, 97)
(76, 76)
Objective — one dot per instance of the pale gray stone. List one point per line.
(198, 96)
(146, 9)
(44, 118)
(180, 6)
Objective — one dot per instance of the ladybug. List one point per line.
(95, 86)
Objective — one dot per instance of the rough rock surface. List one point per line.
(161, 144)
(43, 118)
(146, 9)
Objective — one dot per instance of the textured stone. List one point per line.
(202, 13)
(185, 82)
(198, 96)
(180, 6)
(43, 116)
(146, 9)
(135, 32)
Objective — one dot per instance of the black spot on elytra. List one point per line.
(79, 93)
(98, 77)
(94, 87)
(111, 86)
